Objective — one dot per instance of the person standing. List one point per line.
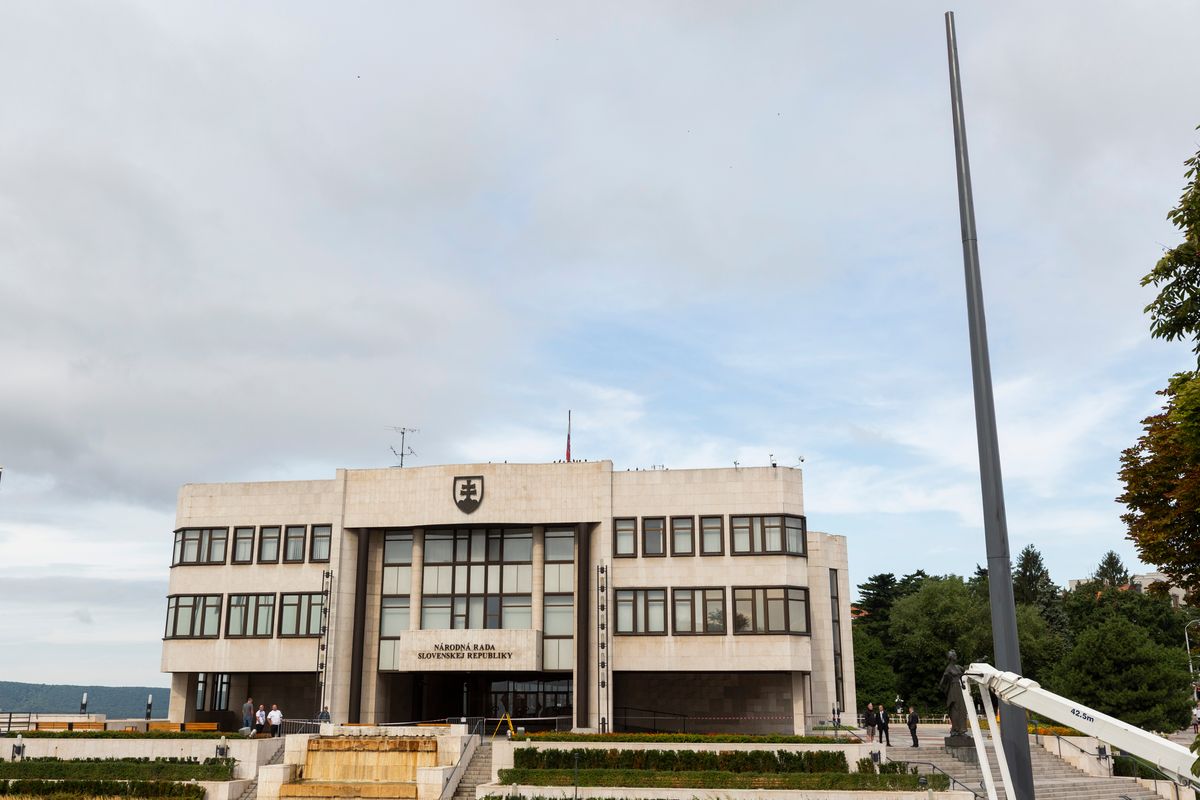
(275, 717)
(260, 719)
(324, 715)
(870, 721)
(912, 724)
(882, 719)
(248, 714)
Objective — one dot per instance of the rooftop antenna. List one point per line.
(405, 450)
(772, 457)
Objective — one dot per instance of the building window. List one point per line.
(250, 615)
(268, 545)
(767, 534)
(243, 545)
(654, 539)
(221, 697)
(625, 538)
(394, 617)
(293, 543)
(193, 616)
(683, 538)
(322, 535)
(301, 614)
(712, 536)
(558, 622)
(838, 678)
(201, 690)
(477, 578)
(776, 609)
(699, 611)
(397, 562)
(641, 611)
(200, 546)
(560, 561)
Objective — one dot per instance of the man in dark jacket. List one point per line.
(912, 724)
(882, 718)
(870, 721)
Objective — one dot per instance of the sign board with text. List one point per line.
(462, 651)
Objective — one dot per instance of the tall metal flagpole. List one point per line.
(1013, 731)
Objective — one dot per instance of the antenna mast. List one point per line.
(405, 450)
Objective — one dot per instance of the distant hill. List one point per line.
(119, 702)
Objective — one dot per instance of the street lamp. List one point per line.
(1187, 642)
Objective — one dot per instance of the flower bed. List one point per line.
(677, 738)
(653, 779)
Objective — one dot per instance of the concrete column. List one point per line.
(179, 698)
(418, 579)
(539, 576)
(239, 687)
(799, 704)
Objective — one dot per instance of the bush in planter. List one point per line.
(681, 760)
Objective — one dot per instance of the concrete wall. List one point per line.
(250, 753)
(617, 793)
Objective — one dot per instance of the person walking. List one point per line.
(883, 725)
(912, 724)
(275, 717)
(248, 715)
(870, 721)
(260, 719)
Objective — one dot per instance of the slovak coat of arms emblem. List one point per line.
(468, 492)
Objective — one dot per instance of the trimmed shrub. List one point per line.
(137, 769)
(681, 760)
(866, 766)
(718, 780)
(123, 734)
(677, 738)
(124, 789)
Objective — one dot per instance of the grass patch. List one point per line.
(677, 738)
(650, 779)
(125, 769)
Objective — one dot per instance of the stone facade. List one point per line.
(364, 670)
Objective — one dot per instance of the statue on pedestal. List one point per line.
(956, 704)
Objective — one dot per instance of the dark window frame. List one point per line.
(783, 535)
(312, 543)
(204, 539)
(644, 601)
(382, 601)
(262, 540)
(558, 532)
(464, 558)
(671, 533)
(287, 537)
(720, 518)
(250, 622)
(199, 603)
(787, 612)
(662, 530)
(704, 590)
(240, 529)
(616, 551)
(304, 615)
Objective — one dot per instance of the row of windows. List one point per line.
(198, 616)
(701, 610)
(479, 546)
(748, 535)
(213, 546)
(467, 613)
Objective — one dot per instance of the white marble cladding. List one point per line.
(503, 650)
(240, 655)
(757, 653)
(686, 492)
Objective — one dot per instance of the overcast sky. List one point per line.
(237, 241)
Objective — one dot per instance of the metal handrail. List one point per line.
(1154, 768)
(936, 768)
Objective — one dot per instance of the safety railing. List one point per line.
(17, 720)
(935, 768)
(475, 738)
(291, 726)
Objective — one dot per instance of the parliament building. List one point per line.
(565, 595)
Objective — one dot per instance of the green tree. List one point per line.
(1175, 310)
(874, 678)
(1111, 572)
(1161, 472)
(1087, 608)
(1115, 667)
(910, 583)
(1031, 579)
(875, 599)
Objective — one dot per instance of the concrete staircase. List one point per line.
(477, 772)
(252, 790)
(1053, 778)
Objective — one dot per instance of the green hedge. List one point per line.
(124, 734)
(678, 738)
(682, 760)
(124, 789)
(1130, 767)
(717, 780)
(139, 769)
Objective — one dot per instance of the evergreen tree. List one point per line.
(910, 583)
(874, 677)
(1115, 667)
(1031, 579)
(876, 598)
(1111, 572)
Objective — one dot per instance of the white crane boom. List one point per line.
(1173, 759)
